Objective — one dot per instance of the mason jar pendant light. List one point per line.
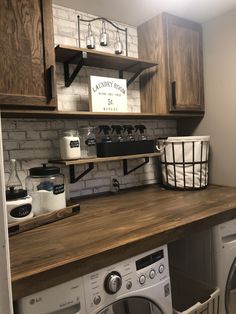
(103, 35)
(118, 44)
(90, 40)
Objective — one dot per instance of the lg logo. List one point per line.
(35, 300)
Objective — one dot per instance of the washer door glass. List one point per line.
(230, 290)
(132, 305)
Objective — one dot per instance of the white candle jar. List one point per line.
(70, 145)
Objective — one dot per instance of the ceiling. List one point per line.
(135, 12)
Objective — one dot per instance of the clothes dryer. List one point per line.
(224, 240)
(139, 285)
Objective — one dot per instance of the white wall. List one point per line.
(219, 44)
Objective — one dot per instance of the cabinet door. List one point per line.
(184, 44)
(26, 53)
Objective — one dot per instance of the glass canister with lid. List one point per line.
(46, 187)
(88, 142)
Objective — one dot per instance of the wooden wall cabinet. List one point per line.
(176, 44)
(27, 60)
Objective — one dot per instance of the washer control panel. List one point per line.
(106, 285)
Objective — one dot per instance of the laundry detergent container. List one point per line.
(184, 162)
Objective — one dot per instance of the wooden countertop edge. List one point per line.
(58, 273)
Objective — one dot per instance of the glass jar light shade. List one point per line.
(90, 39)
(104, 38)
(118, 44)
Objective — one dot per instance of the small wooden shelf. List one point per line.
(98, 59)
(85, 57)
(91, 161)
(102, 159)
(55, 114)
(43, 219)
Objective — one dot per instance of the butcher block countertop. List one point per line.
(112, 228)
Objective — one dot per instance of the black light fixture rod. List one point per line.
(104, 19)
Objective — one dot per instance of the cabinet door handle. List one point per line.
(173, 92)
(51, 79)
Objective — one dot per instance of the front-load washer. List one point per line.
(138, 285)
(224, 241)
(66, 298)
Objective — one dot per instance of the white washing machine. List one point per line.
(66, 298)
(139, 285)
(224, 240)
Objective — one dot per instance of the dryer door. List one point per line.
(132, 305)
(230, 290)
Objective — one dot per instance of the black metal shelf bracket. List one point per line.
(132, 78)
(74, 179)
(70, 78)
(125, 166)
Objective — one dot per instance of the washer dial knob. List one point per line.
(113, 282)
(161, 268)
(142, 280)
(152, 274)
(97, 299)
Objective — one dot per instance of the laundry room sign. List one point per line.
(108, 94)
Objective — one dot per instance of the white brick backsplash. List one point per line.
(103, 174)
(49, 134)
(33, 135)
(8, 125)
(162, 123)
(101, 189)
(56, 124)
(27, 164)
(9, 145)
(32, 153)
(64, 40)
(77, 186)
(6, 155)
(35, 144)
(17, 135)
(102, 166)
(62, 13)
(114, 165)
(65, 32)
(4, 135)
(86, 192)
(97, 183)
(71, 124)
(32, 125)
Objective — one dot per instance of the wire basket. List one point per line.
(184, 162)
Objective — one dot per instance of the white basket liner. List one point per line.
(200, 172)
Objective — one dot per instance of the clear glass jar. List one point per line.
(70, 145)
(88, 142)
(46, 187)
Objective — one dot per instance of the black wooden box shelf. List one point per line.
(125, 148)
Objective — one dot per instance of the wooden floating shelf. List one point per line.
(98, 59)
(87, 57)
(91, 161)
(101, 159)
(86, 115)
